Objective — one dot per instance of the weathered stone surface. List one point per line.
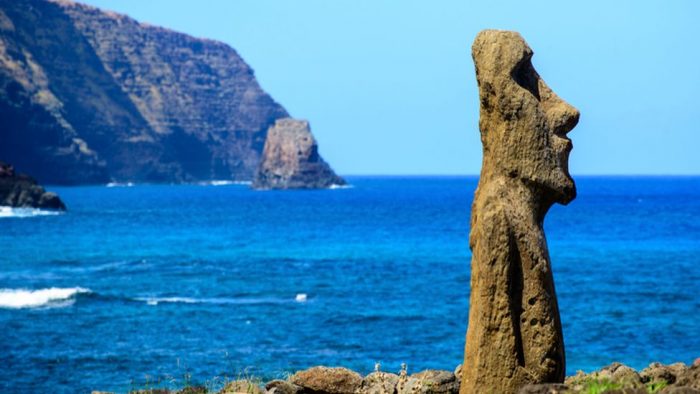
(379, 383)
(544, 388)
(618, 373)
(514, 336)
(88, 96)
(282, 387)
(431, 382)
(656, 372)
(290, 159)
(19, 190)
(690, 378)
(241, 387)
(680, 390)
(327, 380)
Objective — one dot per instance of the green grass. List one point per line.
(599, 386)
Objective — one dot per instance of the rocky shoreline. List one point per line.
(22, 191)
(615, 378)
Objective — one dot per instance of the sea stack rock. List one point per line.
(290, 159)
(19, 190)
(514, 336)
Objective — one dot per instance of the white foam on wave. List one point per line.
(12, 212)
(158, 300)
(51, 297)
(119, 184)
(237, 301)
(224, 183)
(335, 186)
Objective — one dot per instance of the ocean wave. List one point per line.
(224, 183)
(120, 184)
(12, 212)
(50, 297)
(335, 186)
(301, 297)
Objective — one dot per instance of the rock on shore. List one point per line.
(22, 191)
(613, 379)
(290, 159)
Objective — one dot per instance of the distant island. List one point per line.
(89, 97)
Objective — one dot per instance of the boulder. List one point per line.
(545, 388)
(243, 386)
(657, 372)
(193, 390)
(379, 383)
(282, 387)
(690, 378)
(327, 380)
(19, 190)
(680, 390)
(615, 373)
(290, 159)
(431, 382)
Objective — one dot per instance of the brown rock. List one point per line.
(546, 388)
(514, 336)
(282, 387)
(379, 383)
(680, 390)
(690, 378)
(619, 373)
(193, 390)
(431, 382)
(327, 380)
(241, 387)
(290, 159)
(657, 372)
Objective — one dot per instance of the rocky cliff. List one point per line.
(19, 190)
(290, 159)
(88, 96)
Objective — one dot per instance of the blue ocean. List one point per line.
(166, 285)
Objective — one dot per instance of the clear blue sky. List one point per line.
(389, 86)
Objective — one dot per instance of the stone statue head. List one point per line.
(523, 123)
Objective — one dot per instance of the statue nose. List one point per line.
(563, 117)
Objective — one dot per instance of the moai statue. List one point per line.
(514, 336)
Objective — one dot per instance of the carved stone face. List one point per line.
(523, 123)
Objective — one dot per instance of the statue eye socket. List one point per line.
(525, 75)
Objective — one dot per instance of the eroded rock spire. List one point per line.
(514, 335)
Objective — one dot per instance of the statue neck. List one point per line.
(525, 198)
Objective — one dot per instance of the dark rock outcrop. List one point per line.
(88, 96)
(514, 336)
(290, 159)
(19, 190)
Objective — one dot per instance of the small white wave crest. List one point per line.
(12, 212)
(119, 184)
(51, 297)
(221, 301)
(224, 183)
(335, 186)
